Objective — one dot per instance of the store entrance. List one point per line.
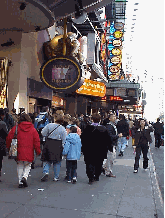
(42, 102)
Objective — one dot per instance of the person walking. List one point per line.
(14, 116)
(28, 141)
(72, 148)
(3, 135)
(75, 122)
(142, 139)
(122, 127)
(158, 132)
(112, 131)
(95, 140)
(8, 119)
(53, 147)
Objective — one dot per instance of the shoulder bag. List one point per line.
(13, 147)
(52, 150)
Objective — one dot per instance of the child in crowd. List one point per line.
(72, 149)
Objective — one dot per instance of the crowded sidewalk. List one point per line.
(128, 195)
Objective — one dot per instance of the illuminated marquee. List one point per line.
(93, 88)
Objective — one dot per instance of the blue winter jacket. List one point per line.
(72, 146)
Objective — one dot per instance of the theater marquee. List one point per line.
(92, 88)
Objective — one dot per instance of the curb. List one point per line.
(157, 196)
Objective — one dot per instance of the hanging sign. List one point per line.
(119, 26)
(115, 60)
(92, 88)
(116, 51)
(118, 34)
(117, 42)
(61, 73)
(114, 69)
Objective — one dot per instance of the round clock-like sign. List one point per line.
(118, 34)
(116, 51)
(114, 69)
(119, 26)
(117, 42)
(115, 59)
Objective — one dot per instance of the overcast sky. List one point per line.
(144, 55)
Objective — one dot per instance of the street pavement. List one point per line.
(157, 155)
(128, 195)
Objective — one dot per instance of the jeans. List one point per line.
(122, 142)
(56, 166)
(71, 169)
(144, 149)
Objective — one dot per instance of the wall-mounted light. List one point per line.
(22, 6)
(8, 43)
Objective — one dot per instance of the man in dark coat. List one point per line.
(95, 141)
(142, 139)
(122, 127)
(158, 131)
(112, 131)
(3, 135)
(8, 119)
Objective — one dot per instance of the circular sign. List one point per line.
(116, 51)
(118, 34)
(61, 73)
(114, 69)
(115, 60)
(119, 26)
(117, 42)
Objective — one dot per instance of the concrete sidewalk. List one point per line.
(128, 195)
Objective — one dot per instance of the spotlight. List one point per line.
(37, 28)
(22, 6)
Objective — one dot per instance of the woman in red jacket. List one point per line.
(28, 140)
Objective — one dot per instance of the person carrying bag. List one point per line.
(52, 152)
(21, 142)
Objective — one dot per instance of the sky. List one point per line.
(143, 51)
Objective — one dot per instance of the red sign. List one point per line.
(115, 98)
(104, 98)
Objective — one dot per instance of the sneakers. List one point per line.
(23, 180)
(56, 179)
(20, 186)
(69, 181)
(44, 178)
(111, 175)
(74, 180)
(121, 153)
(135, 171)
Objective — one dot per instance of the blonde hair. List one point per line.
(60, 112)
(58, 118)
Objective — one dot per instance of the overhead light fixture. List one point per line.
(134, 15)
(22, 6)
(136, 3)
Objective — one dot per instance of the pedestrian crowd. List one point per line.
(59, 136)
